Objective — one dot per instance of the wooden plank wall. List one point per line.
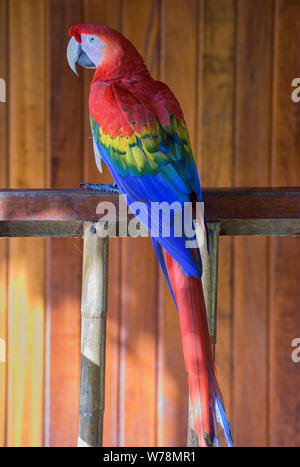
(65, 169)
(27, 168)
(4, 243)
(251, 255)
(230, 63)
(215, 151)
(284, 320)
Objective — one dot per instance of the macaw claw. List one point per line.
(109, 187)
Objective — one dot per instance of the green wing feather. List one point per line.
(146, 150)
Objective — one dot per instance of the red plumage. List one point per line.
(120, 59)
(123, 98)
(125, 72)
(197, 349)
(138, 108)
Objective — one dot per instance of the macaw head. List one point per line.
(102, 48)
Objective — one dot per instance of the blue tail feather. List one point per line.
(221, 414)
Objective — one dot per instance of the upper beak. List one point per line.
(76, 54)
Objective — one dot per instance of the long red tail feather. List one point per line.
(205, 395)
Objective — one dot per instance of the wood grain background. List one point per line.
(231, 64)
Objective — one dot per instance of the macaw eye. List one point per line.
(91, 40)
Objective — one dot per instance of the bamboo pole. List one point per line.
(93, 328)
(210, 288)
(210, 278)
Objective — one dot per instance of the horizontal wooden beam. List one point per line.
(61, 213)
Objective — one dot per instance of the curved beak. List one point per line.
(75, 54)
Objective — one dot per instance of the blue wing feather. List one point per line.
(174, 180)
(158, 188)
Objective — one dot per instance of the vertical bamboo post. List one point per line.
(210, 288)
(93, 328)
(210, 278)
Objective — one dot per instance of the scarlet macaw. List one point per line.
(139, 132)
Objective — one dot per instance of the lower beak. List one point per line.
(75, 54)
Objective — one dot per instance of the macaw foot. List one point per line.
(108, 188)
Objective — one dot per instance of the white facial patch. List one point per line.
(93, 47)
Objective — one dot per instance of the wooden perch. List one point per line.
(61, 213)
